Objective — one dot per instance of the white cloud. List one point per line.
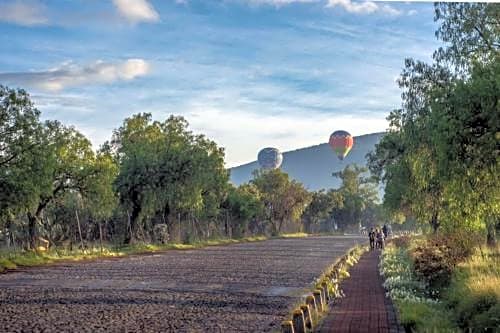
(137, 10)
(363, 7)
(23, 12)
(412, 12)
(69, 74)
(390, 10)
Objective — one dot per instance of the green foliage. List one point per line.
(243, 204)
(440, 159)
(320, 209)
(418, 311)
(284, 200)
(474, 293)
(469, 301)
(20, 142)
(358, 194)
(425, 317)
(470, 30)
(436, 257)
(165, 170)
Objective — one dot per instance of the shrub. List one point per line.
(161, 234)
(402, 241)
(417, 311)
(435, 258)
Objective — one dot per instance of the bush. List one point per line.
(161, 234)
(417, 311)
(435, 258)
(402, 241)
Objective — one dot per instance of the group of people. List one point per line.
(377, 237)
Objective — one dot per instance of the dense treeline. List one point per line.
(440, 158)
(154, 181)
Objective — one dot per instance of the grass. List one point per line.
(13, 259)
(471, 301)
(474, 291)
(418, 312)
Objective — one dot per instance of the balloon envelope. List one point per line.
(270, 158)
(341, 142)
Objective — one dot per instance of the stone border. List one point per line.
(306, 317)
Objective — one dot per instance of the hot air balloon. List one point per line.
(270, 158)
(341, 142)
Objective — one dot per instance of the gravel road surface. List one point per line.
(247, 287)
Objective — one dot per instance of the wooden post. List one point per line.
(299, 323)
(311, 302)
(129, 225)
(100, 234)
(307, 316)
(319, 300)
(326, 290)
(79, 228)
(287, 327)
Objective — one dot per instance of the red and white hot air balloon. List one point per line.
(341, 142)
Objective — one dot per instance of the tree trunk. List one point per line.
(100, 234)
(132, 223)
(32, 222)
(226, 226)
(435, 222)
(491, 239)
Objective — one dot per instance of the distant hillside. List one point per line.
(313, 166)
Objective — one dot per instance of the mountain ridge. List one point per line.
(313, 166)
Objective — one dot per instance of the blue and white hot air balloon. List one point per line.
(270, 158)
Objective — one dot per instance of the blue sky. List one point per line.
(247, 73)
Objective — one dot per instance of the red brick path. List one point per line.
(364, 307)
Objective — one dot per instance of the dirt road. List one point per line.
(246, 287)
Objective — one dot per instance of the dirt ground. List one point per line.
(248, 287)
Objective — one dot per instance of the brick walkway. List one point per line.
(364, 307)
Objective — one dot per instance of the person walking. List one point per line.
(371, 236)
(385, 230)
(380, 239)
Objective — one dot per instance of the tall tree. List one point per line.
(67, 163)
(358, 192)
(166, 170)
(470, 31)
(242, 205)
(284, 200)
(21, 141)
(320, 208)
(440, 160)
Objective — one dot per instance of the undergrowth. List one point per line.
(13, 259)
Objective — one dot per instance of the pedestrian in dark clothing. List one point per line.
(371, 236)
(385, 230)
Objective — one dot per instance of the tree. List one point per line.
(466, 124)
(439, 161)
(242, 205)
(284, 199)
(320, 209)
(358, 192)
(165, 171)
(20, 150)
(66, 165)
(470, 32)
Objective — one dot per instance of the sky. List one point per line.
(247, 73)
